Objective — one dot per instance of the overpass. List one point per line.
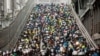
(10, 35)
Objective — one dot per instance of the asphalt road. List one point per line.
(10, 35)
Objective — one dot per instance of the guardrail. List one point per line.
(82, 28)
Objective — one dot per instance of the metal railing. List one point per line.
(82, 28)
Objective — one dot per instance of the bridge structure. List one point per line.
(10, 35)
